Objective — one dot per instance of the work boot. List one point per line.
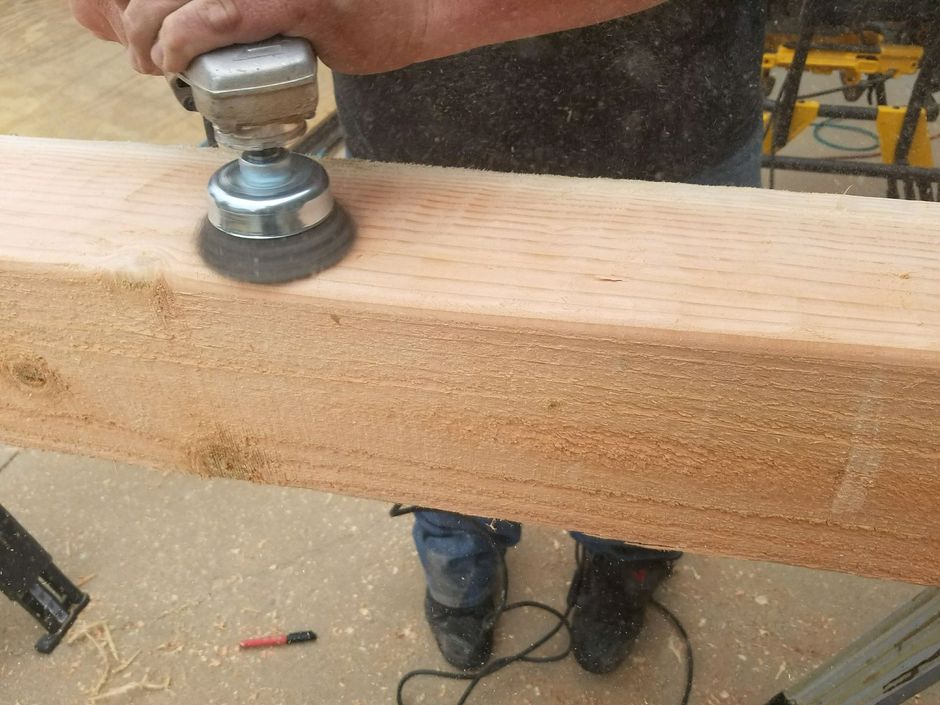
(463, 634)
(609, 598)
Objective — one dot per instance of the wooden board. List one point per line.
(726, 371)
(59, 80)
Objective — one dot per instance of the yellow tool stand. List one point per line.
(843, 54)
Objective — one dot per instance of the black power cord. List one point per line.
(870, 83)
(527, 655)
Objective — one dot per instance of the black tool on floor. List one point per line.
(271, 215)
(30, 578)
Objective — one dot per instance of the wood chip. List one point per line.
(123, 667)
(84, 580)
(144, 684)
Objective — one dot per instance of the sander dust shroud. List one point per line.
(271, 215)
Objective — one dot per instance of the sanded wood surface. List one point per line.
(726, 371)
(59, 80)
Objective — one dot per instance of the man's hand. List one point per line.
(351, 36)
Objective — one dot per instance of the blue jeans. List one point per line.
(460, 554)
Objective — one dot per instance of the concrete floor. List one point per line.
(180, 569)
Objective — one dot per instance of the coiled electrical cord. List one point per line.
(526, 655)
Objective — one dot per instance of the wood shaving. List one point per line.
(86, 633)
(123, 667)
(99, 634)
(144, 684)
(106, 630)
(81, 633)
(674, 648)
(171, 647)
(83, 581)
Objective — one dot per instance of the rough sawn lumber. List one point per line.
(726, 371)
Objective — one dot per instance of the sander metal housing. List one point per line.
(271, 216)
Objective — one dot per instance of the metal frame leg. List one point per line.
(921, 96)
(897, 659)
(30, 578)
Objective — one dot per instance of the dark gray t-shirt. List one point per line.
(663, 94)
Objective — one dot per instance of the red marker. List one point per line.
(278, 640)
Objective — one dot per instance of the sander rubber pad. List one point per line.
(277, 260)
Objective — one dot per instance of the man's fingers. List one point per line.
(165, 35)
(101, 17)
(142, 20)
(202, 25)
(134, 60)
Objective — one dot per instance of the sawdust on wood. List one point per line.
(223, 454)
(31, 373)
(151, 291)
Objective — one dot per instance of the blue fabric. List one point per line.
(741, 169)
(460, 554)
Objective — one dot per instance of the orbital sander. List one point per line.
(271, 216)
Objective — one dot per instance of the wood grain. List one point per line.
(726, 371)
(59, 80)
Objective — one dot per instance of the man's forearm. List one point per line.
(352, 36)
(455, 26)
